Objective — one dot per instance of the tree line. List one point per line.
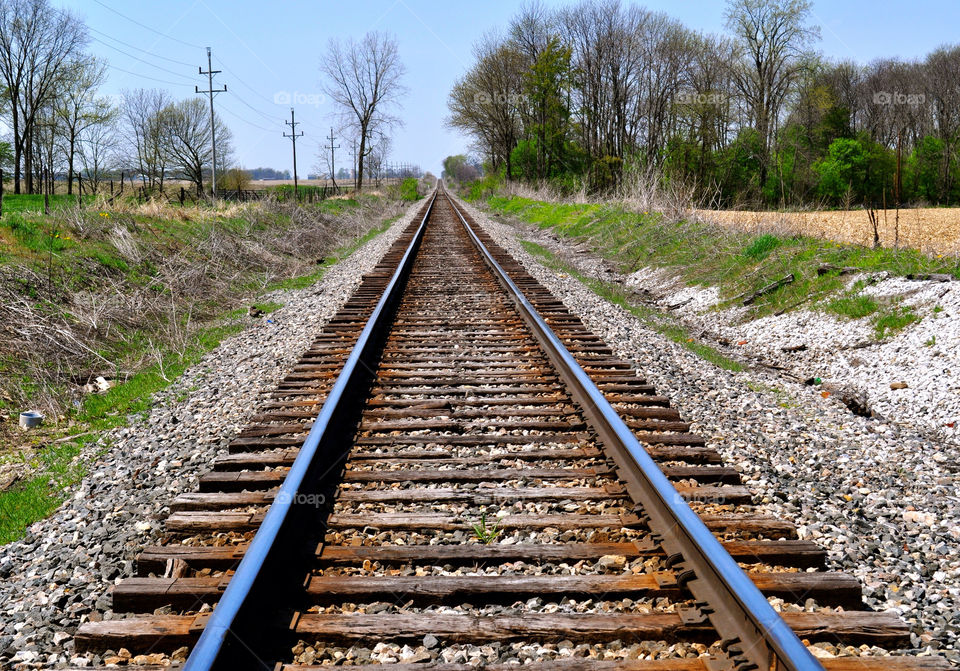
(588, 94)
(61, 126)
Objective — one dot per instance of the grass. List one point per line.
(706, 255)
(853, 306)
(485, 534)
(657, 321)
(38, 496)
(761, 247)
(52, 460)
(897, 318)
(55, 467)
(33, 202)
(304, 281)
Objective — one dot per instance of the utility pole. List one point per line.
(333, 166)
(293, 138)
(213, 128)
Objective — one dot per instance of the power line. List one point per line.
(137, 74)
(135, 48)
(142, 25)
(152, 65)
(234, 75)
(224, 108)
(257, 93)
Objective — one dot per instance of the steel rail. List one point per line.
(753, 632)
(208, 653)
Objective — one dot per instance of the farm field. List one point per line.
(932, 230)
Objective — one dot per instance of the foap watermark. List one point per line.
(693, 98)
(299, 98)
(500, 97)
(705, 496)
(300, 499)
(898, 98)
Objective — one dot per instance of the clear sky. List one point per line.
(270, 50)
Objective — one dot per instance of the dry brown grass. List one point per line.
(934, 231)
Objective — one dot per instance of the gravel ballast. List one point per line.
(57, 576)
(880, 496)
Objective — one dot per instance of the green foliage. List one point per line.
(924, 166)
(408, 189)
(843, 170)
(739, 165)
(523, 160)
(761, 246)
(483, 188)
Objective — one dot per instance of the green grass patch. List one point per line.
(653, 319)
(33, 202)
(761, 247)
(894, 320)
(853, 307)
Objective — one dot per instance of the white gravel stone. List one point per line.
(879, 496)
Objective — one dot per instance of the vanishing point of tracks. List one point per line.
(452, 475)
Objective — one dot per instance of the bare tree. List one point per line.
(36, 42)
(185, 134)
(141, 112)
(486, 102)
(774, 38)
(78, 108)
(97, 150)
(364, 80)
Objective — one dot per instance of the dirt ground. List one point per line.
(931, 230)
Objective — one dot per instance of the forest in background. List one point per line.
(586, 96)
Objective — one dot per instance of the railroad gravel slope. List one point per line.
(881, 499)
(56, 577)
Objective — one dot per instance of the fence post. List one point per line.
(46, 195)
(79, 191)
(182, 195)
(1, 192)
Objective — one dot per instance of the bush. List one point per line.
(408, 189)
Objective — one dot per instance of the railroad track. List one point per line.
(451, 474)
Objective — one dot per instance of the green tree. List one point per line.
(739, 167)
(843, 170)
(923, 170)
(546, 85)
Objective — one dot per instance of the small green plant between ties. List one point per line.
(485, 534)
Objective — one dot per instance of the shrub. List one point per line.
(408, 189)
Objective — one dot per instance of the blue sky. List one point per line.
(268, 49)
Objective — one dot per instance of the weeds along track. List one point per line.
(442, 479)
